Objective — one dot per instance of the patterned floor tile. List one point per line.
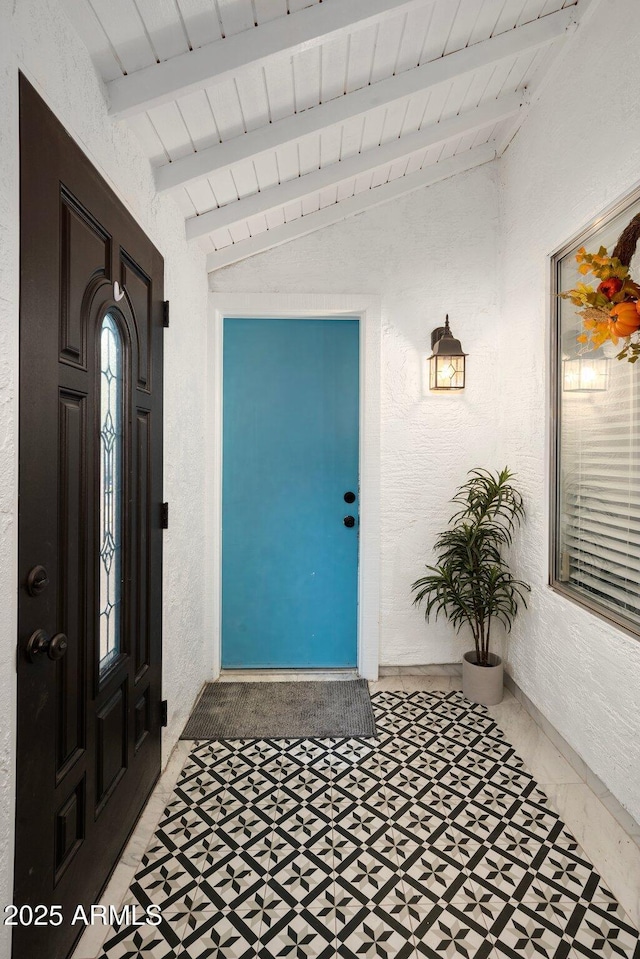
(569, 873)
(604, 934)
(431, 840)
(355, 751)
(244, 827)
(183, 826)
(141, 942)
(356, 783)
(331, 766)
(477, 822)
(296, 934)
(446, 931)
(518, 781)
(373, 933)
(169, 882)
(400, 751)
(204, 786)
(409, 784)
(500, 874)
(440, 796)
(438, 874)
(253, 786)
(306, 783)
(463, 782)
(396, 845)
(260, 751)
(300, 877)
(234, 881)
(360, 822)
(501, 802)
(368, 876)
(231, 935)
(275, 805)
(422, 822)
(304, 826)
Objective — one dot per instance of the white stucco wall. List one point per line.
(477, 247)
(411, 254)
(36, 37)
(577, 152)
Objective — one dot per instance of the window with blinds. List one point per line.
(596, 548)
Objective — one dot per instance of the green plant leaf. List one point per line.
(471, 583)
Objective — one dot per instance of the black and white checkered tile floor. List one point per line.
(432, 840)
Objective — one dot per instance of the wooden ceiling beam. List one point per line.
(303, 186)
(265, 139)
(223, 59)
(350, 207)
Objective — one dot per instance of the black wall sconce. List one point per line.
(447, 360)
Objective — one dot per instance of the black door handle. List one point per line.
(349, 521)
(39, 643)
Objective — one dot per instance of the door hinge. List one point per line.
(165, 313)
(163, 713)
(164, 516)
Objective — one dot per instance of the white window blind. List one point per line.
(597, 483)
(600, 491)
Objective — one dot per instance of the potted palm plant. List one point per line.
(471, 582)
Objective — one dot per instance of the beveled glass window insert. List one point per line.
(111, 484)
(596, 534)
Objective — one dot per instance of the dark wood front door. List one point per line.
(90, 539)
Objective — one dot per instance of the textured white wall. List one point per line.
(411, 253)
(446, 248)
(577, 152)
(36, 37)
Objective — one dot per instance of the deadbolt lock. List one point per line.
(37, 580)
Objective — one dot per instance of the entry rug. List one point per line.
(297, 710)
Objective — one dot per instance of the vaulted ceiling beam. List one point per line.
(198, 165)
(311, 183)
(224, 59)
(349, 207)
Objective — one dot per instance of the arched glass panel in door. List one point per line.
(111, 490)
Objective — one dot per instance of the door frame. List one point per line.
(366, 309)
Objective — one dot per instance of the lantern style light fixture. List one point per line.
(585, 374)
(446, 363)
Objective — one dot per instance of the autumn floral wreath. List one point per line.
(611, 310)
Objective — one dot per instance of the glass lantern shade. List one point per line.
(447, 362)
(585, 374)
(446, 372)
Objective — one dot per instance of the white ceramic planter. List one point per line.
(482, 684)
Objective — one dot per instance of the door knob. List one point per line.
(55, 647)
(349, 521)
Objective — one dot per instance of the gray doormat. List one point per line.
(303, 710)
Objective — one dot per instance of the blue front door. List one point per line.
(290, 454)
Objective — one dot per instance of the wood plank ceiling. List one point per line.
(269, 119)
